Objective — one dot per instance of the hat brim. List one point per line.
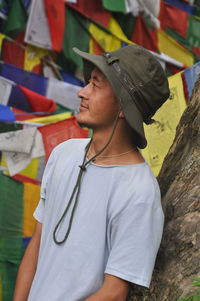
(130, 110)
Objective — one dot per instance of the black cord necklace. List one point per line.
(77, 187)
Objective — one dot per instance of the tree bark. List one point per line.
(178, 259)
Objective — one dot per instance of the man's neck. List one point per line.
(120, 150)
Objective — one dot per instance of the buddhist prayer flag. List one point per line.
(55, 11)
(18, 154)
(54, 134)
(32, 58)
(161, 133)
(182, 5)
(145, 35)
(6, 114)
(37, 102)
(113, 5)
(10, 48)
(5, 90)
(2, 37)
(170, 47)
(185, 32)
(16, 20)
(51, 118)
(116, 30)
(21, 115)
(31, 198)
(169, 16)
(37, 20)
(190, 76)
(95, 10)
(76, 26)
(27, 79)
(18, 202)
(149, 8)
(109, 40)
(64, 94)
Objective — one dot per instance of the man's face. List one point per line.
(98, 107)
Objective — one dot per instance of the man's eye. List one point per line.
(94, 85)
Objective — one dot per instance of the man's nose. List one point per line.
(84, 92)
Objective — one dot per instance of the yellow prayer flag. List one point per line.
(3, 163)
(107, 41)
(173, 49)
(2, 37)
(160, 134)
(32, 57)
(51, 118)
(116, 30)
(31, 169)
(31, 199)
(91, 46)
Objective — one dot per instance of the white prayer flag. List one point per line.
(17, 161)
(5, 90)
(37, 29)
(63, 93)
(18, 141)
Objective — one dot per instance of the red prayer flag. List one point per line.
(22, 115)
(13, 53)
(57, 132)
(38, 102)
(95, 10)
(55, 11)
(170, 16)
(143, 36)
(196, 50)
(25, 179)
(96, 47)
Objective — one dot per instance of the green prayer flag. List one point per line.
(76, 35)
(11, 207)
(115, 5)
(8, 127)
(126, 22)
(16, 20)
(192, 38)
(11, 232)
(193, 30)
(8, 273)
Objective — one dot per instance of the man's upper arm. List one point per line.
(37, 233)
(113, 289)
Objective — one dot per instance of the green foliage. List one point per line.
(196, 296)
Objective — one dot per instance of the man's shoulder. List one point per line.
(72, 144)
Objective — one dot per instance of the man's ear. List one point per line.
(121, 114)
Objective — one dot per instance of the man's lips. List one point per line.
(83, 107)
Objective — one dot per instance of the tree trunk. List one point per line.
(179, 255)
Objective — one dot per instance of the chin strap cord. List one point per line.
(77, 186)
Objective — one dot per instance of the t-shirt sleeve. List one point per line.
(134, 238)
(39, 211)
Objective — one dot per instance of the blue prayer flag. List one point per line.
(6, 114)
(191, 75)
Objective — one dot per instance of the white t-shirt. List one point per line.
(116, 229)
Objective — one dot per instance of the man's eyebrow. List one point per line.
(97, 78)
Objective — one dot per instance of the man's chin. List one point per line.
(82, 124)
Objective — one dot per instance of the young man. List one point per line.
(100, 220)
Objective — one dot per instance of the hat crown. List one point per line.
(147, 76)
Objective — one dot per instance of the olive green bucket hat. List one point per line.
(138, 80)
